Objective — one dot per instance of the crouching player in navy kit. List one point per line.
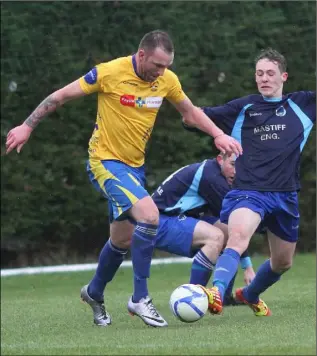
(273, 129)
(189, 202)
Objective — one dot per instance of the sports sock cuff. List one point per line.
(231, 252)
(147, 229)
(114, 248)
(203, 260)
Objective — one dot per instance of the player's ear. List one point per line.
(284, 76)
(141, 54)
(219, 159)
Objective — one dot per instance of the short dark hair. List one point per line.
(157, 38)
(273, 56)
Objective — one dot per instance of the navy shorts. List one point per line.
(278, 210)
(119, 183)
(175, 233)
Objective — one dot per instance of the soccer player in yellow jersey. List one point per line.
(130, 92)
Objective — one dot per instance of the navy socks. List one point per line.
(142, 250)
(110, 260)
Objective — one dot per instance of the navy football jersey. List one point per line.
(192, 190)
(272, 133)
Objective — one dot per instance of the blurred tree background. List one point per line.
(50, 212)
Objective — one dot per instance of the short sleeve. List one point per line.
(96, 79)
(306, 100)
(311, 96)
(226, 115)
(175, 93)
(311, 106)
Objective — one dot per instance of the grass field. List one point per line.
(43, 315)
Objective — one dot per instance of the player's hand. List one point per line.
(17, 137)
(227, 144)
(248, 275)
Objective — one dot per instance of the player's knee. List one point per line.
(237, 233)
(213, 241)
(238, 240)
(125, 244)
(219, 240)
(123, 241)
(150, 217)
(281, 265)
(145, 211)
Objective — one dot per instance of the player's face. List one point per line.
(154, 63)
(269, 78)
(227, 166)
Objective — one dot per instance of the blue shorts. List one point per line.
(119, 183)
(278, 210)
(175, 234)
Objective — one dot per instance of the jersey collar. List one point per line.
(135, 66)
(271, 99)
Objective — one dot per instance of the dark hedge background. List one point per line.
(50, 212)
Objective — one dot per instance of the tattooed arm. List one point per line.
(19, 135)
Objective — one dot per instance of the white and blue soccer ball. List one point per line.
(189, 303)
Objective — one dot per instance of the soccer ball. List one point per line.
(189, 303)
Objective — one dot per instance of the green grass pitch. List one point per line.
(43, 315)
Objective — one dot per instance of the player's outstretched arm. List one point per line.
(18, 136)
(195, 117)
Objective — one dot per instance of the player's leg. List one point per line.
(146, 215)
(175, 235)
(186, 236)
(282, 253)
(224, 228)
(241, 225)
(228, 297)
(271, 270)
(243, 216)
(208, 242)
(111, 257)
(248, 273)
(117, 184)
(268, 274)
(282, 236)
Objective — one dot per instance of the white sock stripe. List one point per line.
(203, 261)
(142, 236)
(201, 255)
(146, 230)
(209, 267)
(113, 248)
(147, 227)
(142, 228)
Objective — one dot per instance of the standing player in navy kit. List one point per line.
(189, 202)
(272, 129)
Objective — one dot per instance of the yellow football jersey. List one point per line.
(127, 109)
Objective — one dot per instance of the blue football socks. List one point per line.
(229, 289)
(264, 278)
(201, 269)
(226, 268)
(142, 248)
(110, 260)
